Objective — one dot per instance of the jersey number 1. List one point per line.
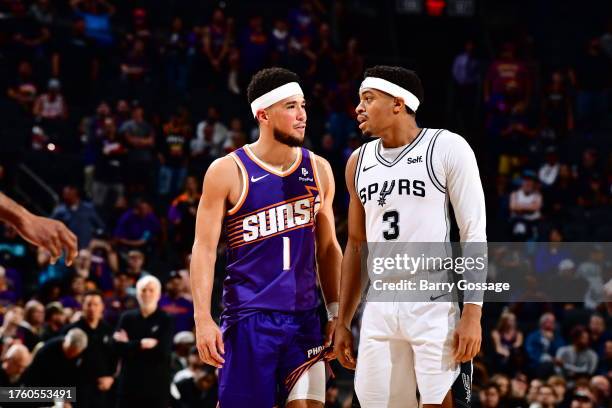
(286, 254)
(392, 217)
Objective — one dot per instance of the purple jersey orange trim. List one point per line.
(271, 240)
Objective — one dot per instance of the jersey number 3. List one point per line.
(392, 217)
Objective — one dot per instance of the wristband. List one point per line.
(332, 310)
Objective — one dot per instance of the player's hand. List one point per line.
(49, 234)
(343, 347)
(468, 335)
(121, 336)
(148, 343)
(105, 383)
(330, 328)
(210, 343)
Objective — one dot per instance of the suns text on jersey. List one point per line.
(279, 218)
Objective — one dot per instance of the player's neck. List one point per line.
(273, 153)
(402, 133)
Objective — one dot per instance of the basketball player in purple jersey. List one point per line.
(273, 199)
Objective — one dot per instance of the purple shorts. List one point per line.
(261, 350)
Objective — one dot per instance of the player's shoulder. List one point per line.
(223, 165)
(444, 140)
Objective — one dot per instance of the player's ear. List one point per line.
(398, 105)
(262, 116)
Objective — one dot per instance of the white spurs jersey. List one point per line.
(406, 199)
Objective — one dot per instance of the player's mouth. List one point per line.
(300, 127)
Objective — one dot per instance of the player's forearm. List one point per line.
(350, 283)
(328, 264)
(202, 271)
(12, 212)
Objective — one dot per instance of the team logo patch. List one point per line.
(303, 177)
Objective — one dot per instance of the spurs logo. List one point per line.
(386, 190)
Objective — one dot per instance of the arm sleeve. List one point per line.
(455, 163)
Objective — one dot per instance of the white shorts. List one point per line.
(404, 345)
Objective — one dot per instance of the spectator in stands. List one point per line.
(96, 15)
(138, 227)
(508, 341)
(110, 163)
(174, 154)
(550, 168)
(216, 40)
(193, 363)
(599, 334)
(254, 46)
(591, 270)
(518, 391)
(62, 353)
(75, 63)
(135, 69)
(183, 342)
(559, 386)
(104, 262)
(467, 75)
(14, 362)
(505, 70)
(175, 49)
(13, 316)
(489, 396)
(577, 358)
(43, 12)
(120, 299)
(201, 390)
(54, 321)
(546, 396)
(135, 265)
(557, 106)
(23, 88)
(74, 298)
(140, 139)
(181, 215)
(601, 390)
(99, 361)
(583, 399)
(605, 363)
(50, 107)
(592, 77)
(179, 308)
(211, 136)
(541, 346)
(532, 392)
(525, 205)
(144, 342)
(30, 327)
(503, 385)
(79, 216)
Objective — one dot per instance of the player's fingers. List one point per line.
(204, 354)
(214, 355)
(69, 244)
(220, 345)
(460, 349)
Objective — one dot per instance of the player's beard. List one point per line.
(287, 139)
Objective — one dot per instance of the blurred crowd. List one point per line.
(120, 107)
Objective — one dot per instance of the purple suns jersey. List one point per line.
(271, 239)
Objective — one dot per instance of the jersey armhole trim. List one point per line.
(358, 167)
(313, 163)
(245, 185)
(429, 164)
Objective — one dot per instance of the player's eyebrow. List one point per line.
(367, 93)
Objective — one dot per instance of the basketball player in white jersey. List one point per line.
(400, 185)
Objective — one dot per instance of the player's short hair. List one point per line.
(268, 79)
(403, 77)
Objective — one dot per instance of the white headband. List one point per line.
(389, 87)
(275, 95)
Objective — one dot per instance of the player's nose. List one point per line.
(359, 109)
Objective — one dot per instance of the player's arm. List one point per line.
(350, 281)
(51, 235)
(329, 254)
(467, 198)
(209, 219)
